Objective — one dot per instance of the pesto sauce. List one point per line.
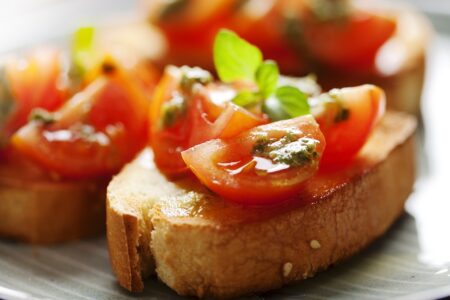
(176, 107)
(172, 8)
(342, 112)
(6, 99)
(42, 116)
(173, 109)
(192, 76)
(289, 150)
(330, 10)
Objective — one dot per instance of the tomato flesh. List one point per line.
(365, 106)
(93, 134)
(34, 81)
(351, 44)
(232, 168)
(202, 119)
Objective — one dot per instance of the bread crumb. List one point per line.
(287, 268)
(315, 244)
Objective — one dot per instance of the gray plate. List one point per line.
(411, 261)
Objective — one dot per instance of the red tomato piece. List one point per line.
(346, 118)
(350, 44)
(266, 164)
(184, 118)
(93, 134)
(190, 27)
(34, 81)
(265, 27)
(231, 121)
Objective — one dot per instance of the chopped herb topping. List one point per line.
(42, 116)
(6, 100)
(240, 4)
(108, 68)
(172, 8)
(330, 108)
(173, 109)
(342, 115)
(330, 10)
(192, 76)
(342, 112)
(289, 150)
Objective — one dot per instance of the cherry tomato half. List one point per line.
(350, 44)
(34, 81)
(183, 116)
(93, 134)
(266, 164)
(346, 117)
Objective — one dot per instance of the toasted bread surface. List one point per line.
(38, 208)
(202, 245)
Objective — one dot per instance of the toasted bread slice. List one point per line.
(36, 208)
(202, 245)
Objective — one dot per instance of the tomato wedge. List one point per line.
(266, 27)
(266, 164)
(346, 117)
(34, 81)
(93, 134)
(190, 27)
(351, 44)
(183, 116)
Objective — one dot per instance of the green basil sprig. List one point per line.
(236, 59)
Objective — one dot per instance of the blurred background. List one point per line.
(27, 21)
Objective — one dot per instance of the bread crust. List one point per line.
(39, 209)
(207, 247)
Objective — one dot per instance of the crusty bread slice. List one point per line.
(38, 208)
(202, 245)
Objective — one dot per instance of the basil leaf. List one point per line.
(293, 101)
(235, 58)
(246, 99)
(266, 77)
(83, 48)
(272, 107)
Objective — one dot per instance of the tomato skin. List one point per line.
(34, 81)
(94, 134)
(366, 105)
(167, 144)
(351, 45)
(202, 120)
(191, 30)
(267, 30)
(231, 121)
(207, 162)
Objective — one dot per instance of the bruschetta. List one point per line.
(256, 180)
(63, 133)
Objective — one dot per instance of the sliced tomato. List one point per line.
(266, 164)
(190, 27)
(350, 44)
(346, 117)
(168, 141)
(231, 120)
(93, 134)
(34, 81)
(202, 114)
(265, 26)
